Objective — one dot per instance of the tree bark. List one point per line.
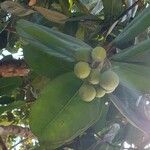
(2, 144)
(16, 130)
(13, 67)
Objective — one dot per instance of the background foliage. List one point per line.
(46, 100)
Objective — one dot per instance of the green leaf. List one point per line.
(139, 53)
(60, 115)
(16, 104)
(133, 135)
(138, 25)
(2, 25)
(134, 76)
(48, 52)
(45, 61)
(6, 100)
(55, 40)
(133, 66)
(131, 115)
(130, 103)
(39, 82)
(112, 9)
(9, 84)
(101, 123)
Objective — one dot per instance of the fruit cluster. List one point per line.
(89, 68)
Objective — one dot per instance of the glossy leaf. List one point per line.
(9, 84)
(48, 49)
(45, 61)
(39, 82)
(134, 76)
(60, 115)
(133, 66)
(112, 9)
(139, 53)
(101, 123)
(138, 25)
(131, 115)
(55, 40)
(127, 101)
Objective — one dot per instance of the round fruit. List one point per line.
(109, 80)
(110, 91)
(82, 70)
(94, 76)
(82, 55)
(100, 92)
(87, 92)
(98, 54)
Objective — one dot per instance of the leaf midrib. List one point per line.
(61, 110)
(79, 131)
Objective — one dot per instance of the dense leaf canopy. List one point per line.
(44, 105)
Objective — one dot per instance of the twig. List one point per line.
(81, 6)
(16, 130)
(83, 18)
(120, 17)
(2, 144)
(11, 30)
(127, 10)
(116, 21)
(13, 67)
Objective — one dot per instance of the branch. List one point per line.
(13, 67)
(128, 9)
(105, 29)
(110, 46)
(2, 144)
(16, 130)
(82, 7)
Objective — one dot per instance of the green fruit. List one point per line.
(87, 92)
(109, 80)
(100, 92)
(110, 91)
(82, 55)
(98, 54)
(82, 70)
(94, 76)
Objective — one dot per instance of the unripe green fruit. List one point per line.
(100, 92)
(87, 92)
(109, 80)
(82, 70)
(94, 76)
(98, 54)
(110, 91)
(82, 55)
